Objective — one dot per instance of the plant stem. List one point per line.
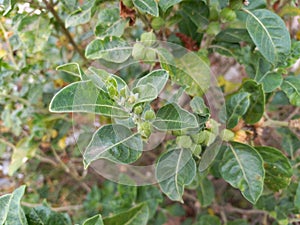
(10, 52)
(49, 6)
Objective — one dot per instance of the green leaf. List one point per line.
(175, 169)
(146, 93)
(191, 71)
(269, 33)
(158, 78)
(208, 220)
(79, 17)
(147, 6)
(296, 199)
(114, 142)
(257, 101)
(236, 106)
(238, 222)
(290, 141)
(291, 87)
(198, 106)
(173, 117)
(83, 96)
(34, 32)
(11, 211)
(277, 166)
(242, 167)
(206, 192)
(111, 49)
(234, 35)
(110, 23)
(165, 4)
(71, 68)
(95, 220)
(211, 152)
(136, 216)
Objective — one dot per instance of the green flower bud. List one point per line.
(227, 15)
(112, 91)
(157, 23)
(124, 92)
(148, 38)
(138, 51)
(131, 99)
(145, 129)
(149, 115)
(197, 149)
(184, 141)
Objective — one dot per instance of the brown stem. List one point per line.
(49, 6)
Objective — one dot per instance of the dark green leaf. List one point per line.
(208, 220)
(113, 142)
(277, 166)
(173, 117)
(290, 141)
(297, 197)
(242, 167)
(147, 6)
(269, 33)
(206, 192)
(236, 106)
(234, 35)
(136, 216)
(111, 49)
(83, 96)
(211, 152)
(291, 87)
(257, 101)
(175, 169)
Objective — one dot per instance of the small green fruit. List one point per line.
(157, 23)
(145, 129)
(227, 15)
(138, 110)
(184, 141)
(149, 115)
(148, 38)
(138, 51)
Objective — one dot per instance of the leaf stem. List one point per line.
(50, 7)
(274, 123)
(10, 51)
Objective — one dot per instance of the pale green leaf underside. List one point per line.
(291, 87)
(114, 142)
(175, 169)
(173, 117)
(147, 6)
(269, 34)
(242, 167)
(83, 96)
(70, 68)
(95, 220)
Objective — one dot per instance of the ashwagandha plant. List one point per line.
(147, 75)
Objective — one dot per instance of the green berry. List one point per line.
(145, 129)
(148, 38)
(227, 15)
(138, 110)
(157, 23)
(184, 141)
(149, 115)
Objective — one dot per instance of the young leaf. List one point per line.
(114, 142)
(83, 96)
(95, 220)
(147, 6)
(70, 68)
(257, 101)
(111, 49)
(175, 169)
(173, 117)
(236, 106)
(242, 167)
(291, 87)
(269, 34)
(198, 106)
(290, 141)
(136, 216)
(158, 78)
(165, 4)
(11, 211)
(146, 93)
(206, 192)
(277, 166)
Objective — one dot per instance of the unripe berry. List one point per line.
(227, 15)
(157, 23)
(149, 115)
(148, 38)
